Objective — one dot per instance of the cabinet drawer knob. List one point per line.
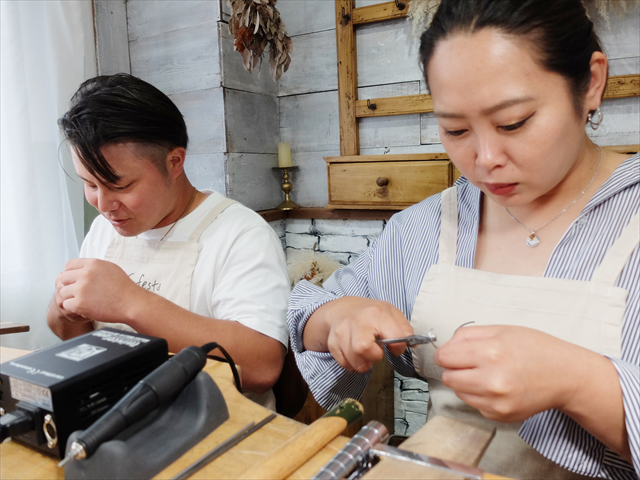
(382, 181)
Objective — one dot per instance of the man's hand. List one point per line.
(348, 328)
(95, 289)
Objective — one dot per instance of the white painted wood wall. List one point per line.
(236, 119)
(183, 47)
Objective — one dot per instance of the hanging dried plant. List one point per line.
(420, 14)
(255, 24)
(603, 8)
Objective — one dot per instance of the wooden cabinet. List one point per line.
(389, 182)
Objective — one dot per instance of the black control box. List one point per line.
(69, 386)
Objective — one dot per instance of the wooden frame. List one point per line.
(618, 87)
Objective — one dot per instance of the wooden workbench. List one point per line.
(19, 462)
(441, 437)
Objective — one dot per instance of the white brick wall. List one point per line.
(342, 240)
(343, 243)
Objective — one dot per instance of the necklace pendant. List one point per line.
(532, 240)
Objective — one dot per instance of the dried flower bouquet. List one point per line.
(255, 24)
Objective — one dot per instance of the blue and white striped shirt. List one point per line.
(393, 267)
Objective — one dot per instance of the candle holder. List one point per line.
(287, 186)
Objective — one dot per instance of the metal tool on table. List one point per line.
(222, 448)
(411, 340)
(366, 449)
(353, 453)
(301, 447)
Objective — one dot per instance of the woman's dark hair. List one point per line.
(560, 32)
(119, 109)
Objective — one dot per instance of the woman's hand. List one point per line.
(348, 328)
(95, 289)
(510, 373)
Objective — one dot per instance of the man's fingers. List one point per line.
(76, 264)
(68, 277)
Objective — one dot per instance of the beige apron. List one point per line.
(166, 268)
(588, 314)
(161, 267)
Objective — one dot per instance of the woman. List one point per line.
(537, 244)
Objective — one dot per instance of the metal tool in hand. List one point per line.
(411, 340)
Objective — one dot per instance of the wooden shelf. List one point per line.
(621, 86)
(401, 157)
(330, 213)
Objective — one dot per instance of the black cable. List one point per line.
(212, 346)
(15, 423)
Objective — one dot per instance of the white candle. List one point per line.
(284, 155)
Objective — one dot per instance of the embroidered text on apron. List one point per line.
(588, 314)
(162, 267)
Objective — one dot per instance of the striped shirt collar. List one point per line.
(626, 175)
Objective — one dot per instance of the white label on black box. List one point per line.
(29, 392)
(81, 352)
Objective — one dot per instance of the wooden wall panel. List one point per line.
(621, 37)
(112, 47)
(389, 90)
(399, 150)
(233, 73)
(387, 53)
(252, 181)
(310, 180)
(251, 122)
(313, 63)
(624, 66)
(207, 171)
(310, 122)
(621, 123)
(204, 114)
(179, 61)
(153, 17)
(303, 16)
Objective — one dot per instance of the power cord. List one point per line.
(208, 347)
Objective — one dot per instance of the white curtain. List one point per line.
(47, 50)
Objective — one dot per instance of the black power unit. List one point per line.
(47, 395)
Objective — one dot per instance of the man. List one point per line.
(165, 259)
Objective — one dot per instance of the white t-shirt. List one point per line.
(241, 273)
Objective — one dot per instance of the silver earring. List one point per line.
(596, 119)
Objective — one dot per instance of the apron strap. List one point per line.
(211, 216)
(448, 243)
(619, 253)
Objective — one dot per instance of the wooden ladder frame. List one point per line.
(351, 109)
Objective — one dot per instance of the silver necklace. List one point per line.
(533, 240)
(183, 213)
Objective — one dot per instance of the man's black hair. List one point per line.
(118, 109)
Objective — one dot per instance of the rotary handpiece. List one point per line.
(156, 389)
